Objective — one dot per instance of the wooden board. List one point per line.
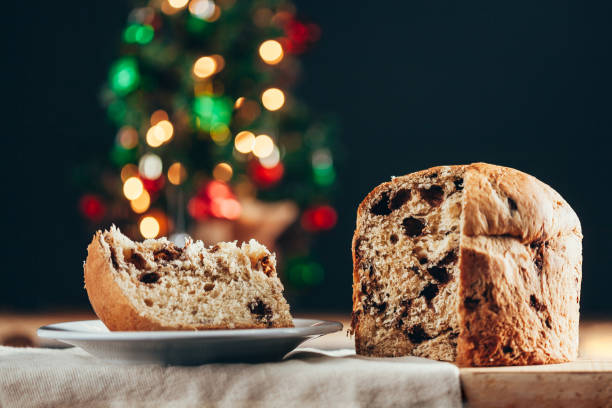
(583, 383)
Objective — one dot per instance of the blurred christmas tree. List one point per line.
(210, 140)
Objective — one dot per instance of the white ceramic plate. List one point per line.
(187, 347)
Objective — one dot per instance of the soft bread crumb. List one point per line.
(195, 287)
(406, 267)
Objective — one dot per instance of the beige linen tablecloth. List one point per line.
(37, 377)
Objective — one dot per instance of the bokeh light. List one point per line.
(168, 129)
(319, 218)
(158, 116)
(127, 137)
(223, 172)
(217, 189)
(141, 204)
(204, 67)
(203, 9)
(215, 14)
(132, 188)
(92, 207)
(323, 170)
(212, 111)
(244, 142)
(220, 134)
(304, 271)
(228, 208)
(263, 146)
(272, 159)
(155, 136)
(124, 76)
(149, 227)
(129, 170)
(239, 102)
(271, 52)
(177, 173)
(219, 60)
(273, 99)
(138, 34)
(150, 166)
(178, 4)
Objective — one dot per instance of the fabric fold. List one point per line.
(306, 377)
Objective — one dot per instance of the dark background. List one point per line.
(414, 84)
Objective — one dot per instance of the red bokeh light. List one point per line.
(153, 186)
(214, 199)
(217, 189)
(198, 208)
(266, 177)
(319, 218)
(91, 207)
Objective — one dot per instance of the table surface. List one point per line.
(586, 382)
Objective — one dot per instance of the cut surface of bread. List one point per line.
(156, 285)
(477, 264)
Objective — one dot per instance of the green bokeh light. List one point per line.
(138, 34)
(195, 25)
(212, 111)
(305, 272)
(116, 111)
(121, 156)
(324, 175)
(124, 76)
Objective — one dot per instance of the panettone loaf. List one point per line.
(477, 264)
(155, 285)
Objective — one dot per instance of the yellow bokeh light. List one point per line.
(223, 172)
(128, 137)
(215, 15)
(158, 116)
(271, 160)
(204, 67)
(239, 102)
(177, 173)
(220, 134)
(273, 99)
(203, 9)
(168, 129)
(132, 188)
(141, 204)
(127, 171)
(271, 52)
(149, 227)
(220, 61)
(178, 4)
(150, 166)
(244, 142)
(263, 146)
(167, 8)
(156, 135)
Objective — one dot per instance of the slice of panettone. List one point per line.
(156, 285)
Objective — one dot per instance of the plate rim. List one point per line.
(316, 327)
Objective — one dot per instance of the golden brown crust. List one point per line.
(105, 296)
(520, 271)
(114, 308)
(505, 201)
